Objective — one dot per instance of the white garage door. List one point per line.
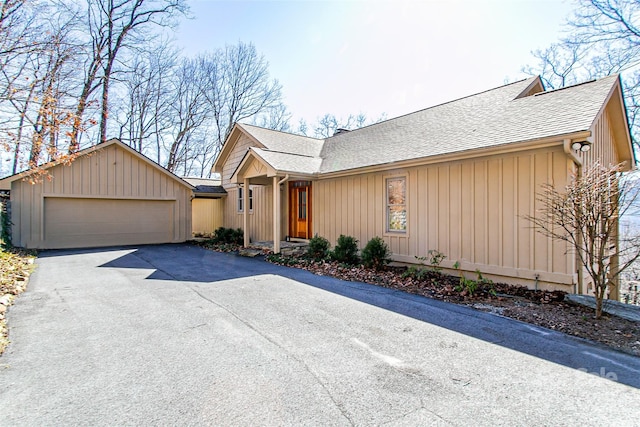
(77, 222)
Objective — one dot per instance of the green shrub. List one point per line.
(472, 286)
(228, 235)
(318, 248)
(435, 258)
(237, 236)
(417, 273)
(346, 250)
(376, 254)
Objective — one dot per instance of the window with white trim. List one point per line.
(241, 199)
(396, 204)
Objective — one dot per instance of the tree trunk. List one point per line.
(105, 105)
(599, 301)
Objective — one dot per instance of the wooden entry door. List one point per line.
(300, 209)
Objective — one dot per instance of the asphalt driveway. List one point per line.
(177, 335)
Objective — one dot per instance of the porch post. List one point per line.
(245, 211)
(276, 216)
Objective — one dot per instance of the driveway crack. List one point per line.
(249, 325)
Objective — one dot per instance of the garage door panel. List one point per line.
(70, 222)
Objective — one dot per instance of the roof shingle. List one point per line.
(487, 119)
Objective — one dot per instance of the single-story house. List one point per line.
(207, 205)
(459, 178)
(109, 195)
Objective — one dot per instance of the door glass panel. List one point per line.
(302, 204)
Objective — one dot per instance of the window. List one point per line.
(397, 204)
(241, 199)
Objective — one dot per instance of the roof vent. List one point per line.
(340, 130)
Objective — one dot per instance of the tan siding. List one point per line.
(235, 157)
(473, 211)
(494, 206)
(207, 215)
(603, 147)
(260, 219)
(108, 173)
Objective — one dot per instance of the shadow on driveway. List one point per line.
(183, 262)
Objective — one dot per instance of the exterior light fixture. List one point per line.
(583, 146)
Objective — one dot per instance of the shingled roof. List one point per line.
(205, 187)
(283, 142)
(492, 118)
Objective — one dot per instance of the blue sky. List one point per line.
(378, 57)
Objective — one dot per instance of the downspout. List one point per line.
(577, 289)
(283, 180)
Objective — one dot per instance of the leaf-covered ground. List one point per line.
(15, 268)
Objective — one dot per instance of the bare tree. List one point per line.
(36, 79)
(329, 124)
(144, 112)
(276, 118)
(603, 38)
(238, 88)
(190, 111)
(15, 28)
(111, 25)
(559, 65)
(586, 215)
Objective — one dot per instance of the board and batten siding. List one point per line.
(471, 210)
(603, 148)
(260, 226)
(107, 173)
(235, 157)
(207, 215)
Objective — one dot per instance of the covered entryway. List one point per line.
(85, 222)
(300, 209)
(289, 211)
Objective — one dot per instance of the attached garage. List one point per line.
(109, 195)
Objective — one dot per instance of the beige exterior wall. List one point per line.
(471, 210)
(603, 150)
(207, 215)
(110, 173)
(603, 147)
(261, 217)
(235, 157)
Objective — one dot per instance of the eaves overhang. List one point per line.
(511, 147)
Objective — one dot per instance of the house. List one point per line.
(459, 178)
(109, 195)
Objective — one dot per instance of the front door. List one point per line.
(300, 209)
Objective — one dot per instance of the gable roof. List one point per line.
(488, 119)
(269, 139)
(514, 113)
(114, 141)
(283, 142)
(289, 162)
